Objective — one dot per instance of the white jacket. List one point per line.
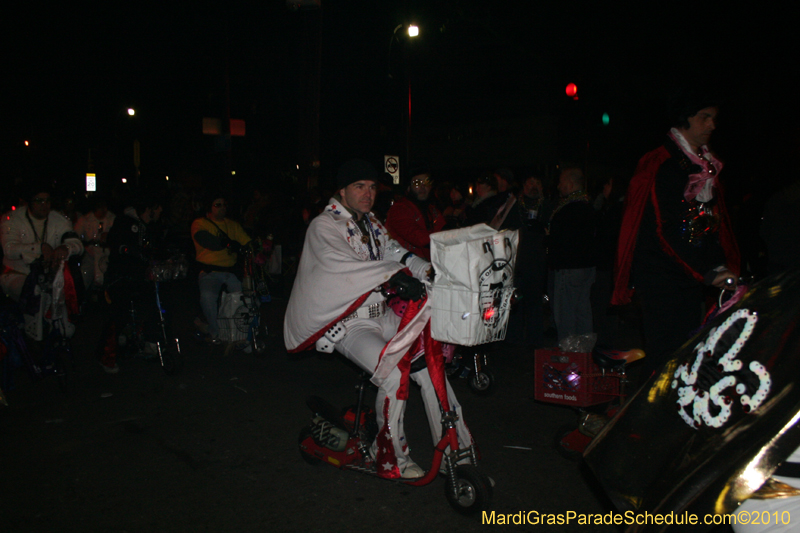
(20, 248)
(336, 275)
(89, 228)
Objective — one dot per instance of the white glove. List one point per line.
(418, 267)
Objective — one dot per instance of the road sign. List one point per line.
(391, 165)
(214, 126)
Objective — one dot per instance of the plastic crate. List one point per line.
(572, 378)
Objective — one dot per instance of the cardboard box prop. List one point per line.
(471, 295)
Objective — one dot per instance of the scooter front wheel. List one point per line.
(472, 492)
(482, 382)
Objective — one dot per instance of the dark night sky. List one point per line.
(71, 71)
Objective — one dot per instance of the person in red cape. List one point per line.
(676, 236)
(337, 302)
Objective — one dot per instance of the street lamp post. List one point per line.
(136, 149)
(412, 31)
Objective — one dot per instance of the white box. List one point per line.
(472, 291)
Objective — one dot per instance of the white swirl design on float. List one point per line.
(712, 407)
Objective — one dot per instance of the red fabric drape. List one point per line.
(640, 191)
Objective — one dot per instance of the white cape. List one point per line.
(333, 280)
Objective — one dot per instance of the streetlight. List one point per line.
(413, 31)
(136, 150)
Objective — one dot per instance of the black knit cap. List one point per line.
(353, 171)
(417, 168)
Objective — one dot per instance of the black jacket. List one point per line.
(703, 253)
(571, 243)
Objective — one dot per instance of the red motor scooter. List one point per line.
(343, 440)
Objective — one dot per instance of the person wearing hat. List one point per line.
(486, 203)
(337, 303)
(413, 218)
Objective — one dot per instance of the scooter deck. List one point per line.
(348, 459)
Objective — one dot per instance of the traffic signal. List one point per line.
(572, 91)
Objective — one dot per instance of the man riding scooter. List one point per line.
(337, 303)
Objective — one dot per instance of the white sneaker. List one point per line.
(412, 471)
(110, 369)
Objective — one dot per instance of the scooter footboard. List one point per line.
(348, 457)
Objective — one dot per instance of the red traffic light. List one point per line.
(572, 91)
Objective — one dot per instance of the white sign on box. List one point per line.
(474, 281)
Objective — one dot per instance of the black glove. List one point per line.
(231, 245)
(234, 247)
(406, 287)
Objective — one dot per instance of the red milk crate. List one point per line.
(571, 378)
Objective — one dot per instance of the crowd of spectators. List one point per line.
(569, 222)
(107, 242)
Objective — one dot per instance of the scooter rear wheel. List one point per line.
(570, 443)
(473, 492)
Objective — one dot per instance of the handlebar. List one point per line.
(733, 290)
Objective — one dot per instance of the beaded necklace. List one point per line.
(366, 228)
(44, 229)
(577, 196)
(367, 237)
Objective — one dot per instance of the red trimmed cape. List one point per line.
(641, 189)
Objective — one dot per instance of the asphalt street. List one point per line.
(215, 447)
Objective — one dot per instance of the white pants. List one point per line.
(363, 343)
